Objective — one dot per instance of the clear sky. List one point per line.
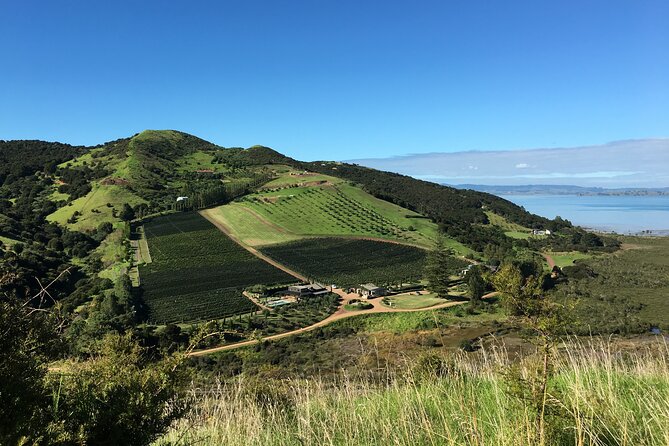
(337, 79)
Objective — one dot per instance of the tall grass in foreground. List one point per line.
(596, 397)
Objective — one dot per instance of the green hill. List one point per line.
(297, 205)
(151, 169)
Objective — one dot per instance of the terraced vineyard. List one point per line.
(327, 206)
(198, 273)
(349, 262)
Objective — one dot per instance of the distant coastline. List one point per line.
(628, 214)
(549, 189)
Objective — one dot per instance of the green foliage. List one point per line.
(197, 272)
(348, 262)
(440, 266)
(622, 293)
(24, 158)
(26, 342)
(476, 283)
(127, 213)
(116, 397)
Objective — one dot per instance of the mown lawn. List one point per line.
(412, 301)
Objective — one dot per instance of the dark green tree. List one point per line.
(127, 213)
(525, 298)
(476, 283)
(440, 266)
(118, 396)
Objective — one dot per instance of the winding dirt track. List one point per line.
(549, 259)
(208, 214)
(341, 312)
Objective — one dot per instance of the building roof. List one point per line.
(369, 286)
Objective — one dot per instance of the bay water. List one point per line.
(623, 214)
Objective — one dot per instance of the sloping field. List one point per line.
(198, 273)
(349, 262)
(330, 208)
(95, 207)
(6, 241)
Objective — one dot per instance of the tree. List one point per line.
(27, 342)
(525, 297)
(440, 266)
(118, 396)
(475, 283)
(127, 213)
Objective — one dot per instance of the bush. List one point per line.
(116, 397)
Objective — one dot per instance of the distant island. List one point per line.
(551, 189)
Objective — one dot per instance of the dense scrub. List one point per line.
(197, 272)
(348, 262)
(24, 158)
(622, 293)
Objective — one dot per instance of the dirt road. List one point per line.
(341, 313)
(549, 259)
(208, 214)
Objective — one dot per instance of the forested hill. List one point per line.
(147, 171)
(21, 158)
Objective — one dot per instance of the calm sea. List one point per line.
(621, 214)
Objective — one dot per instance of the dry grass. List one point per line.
(597, 396)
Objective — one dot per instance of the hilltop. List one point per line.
(150, 170)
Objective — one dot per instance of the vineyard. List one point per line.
(333, 210)
(349, 262)
(197, 272)
(324, 207)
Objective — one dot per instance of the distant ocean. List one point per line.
(622, 214)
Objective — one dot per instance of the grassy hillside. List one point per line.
(157, 166)
(513, 230)
(298, 205)
(597, 397)
(96, 207)
(7, 242)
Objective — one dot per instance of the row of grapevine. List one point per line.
(197, 272)
(350, 262)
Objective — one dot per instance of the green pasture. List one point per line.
(95, 207)
(563, 259)
(410, 301)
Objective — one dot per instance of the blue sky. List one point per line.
(631, 163)
(337, 79)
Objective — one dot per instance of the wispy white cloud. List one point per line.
(636, 163)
